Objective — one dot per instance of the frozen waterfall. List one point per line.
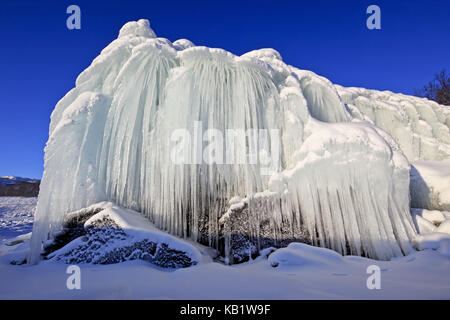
(334, 171)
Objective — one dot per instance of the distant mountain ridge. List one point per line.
(11, 186)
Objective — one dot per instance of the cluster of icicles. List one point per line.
(345, 182)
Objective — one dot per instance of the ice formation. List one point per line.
(420, 126)
(340, 176)
(430, 185)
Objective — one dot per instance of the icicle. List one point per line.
(113, 137)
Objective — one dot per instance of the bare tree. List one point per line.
(437, 90)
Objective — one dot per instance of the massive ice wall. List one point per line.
(345, 183)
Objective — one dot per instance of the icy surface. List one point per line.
(331, 189)
(340, 176)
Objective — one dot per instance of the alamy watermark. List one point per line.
(74, 280)
(374, 280)
(374, 20)
(74, 20)
(234, 146)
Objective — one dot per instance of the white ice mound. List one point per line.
(139, 28)
(433, 227)
(300, 254)
(420, 126)
(111, 139)
(430, 185)
(348, 190)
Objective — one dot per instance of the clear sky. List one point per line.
(40, 58)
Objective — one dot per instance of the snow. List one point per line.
(16, 216)
(434, 240)
(430, 185)
(299, 254)
(135, 224)
(322, 274)
(434, 230)
(340, 165)
(444, 227)
(433, 216)
(296, 272)
(182, 44)
(110, 229)
(137, 28)
(423, 225)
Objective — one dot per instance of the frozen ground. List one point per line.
(302, 272)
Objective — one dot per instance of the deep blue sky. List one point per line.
(40, 58)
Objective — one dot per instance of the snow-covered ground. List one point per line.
(16, 216)
(296, 272)
(421, 275)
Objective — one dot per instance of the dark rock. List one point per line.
(104, 242)
(244, 233)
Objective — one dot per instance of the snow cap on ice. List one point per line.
(137, 28)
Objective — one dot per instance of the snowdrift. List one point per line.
(337, 171)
